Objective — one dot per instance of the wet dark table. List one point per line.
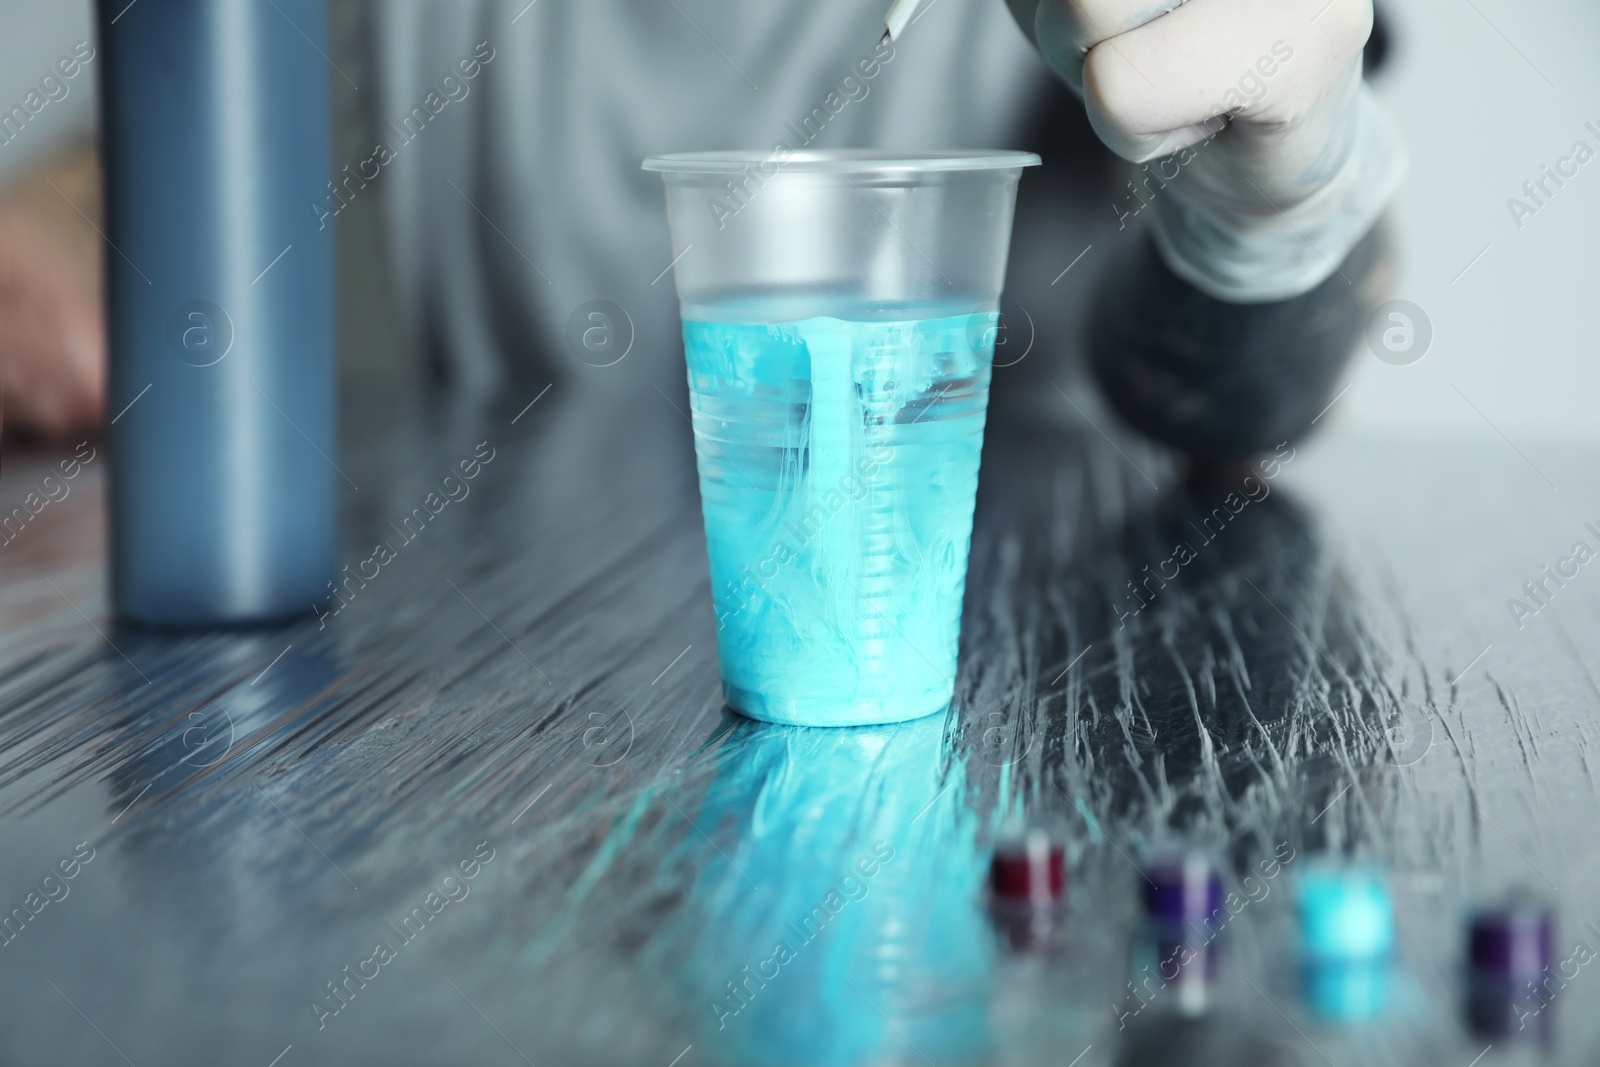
(493, 810)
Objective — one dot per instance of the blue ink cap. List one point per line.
(1345, 914)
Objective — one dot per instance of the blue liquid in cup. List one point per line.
(838, 460)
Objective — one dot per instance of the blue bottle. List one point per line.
(220, 288)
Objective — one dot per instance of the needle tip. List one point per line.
(885, 38)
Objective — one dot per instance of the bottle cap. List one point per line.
(1028, 870)
(1182, 889)
(1514, 941)
(1345, 914)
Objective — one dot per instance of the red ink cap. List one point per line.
(1028, 870)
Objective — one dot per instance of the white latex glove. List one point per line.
(1267, 158)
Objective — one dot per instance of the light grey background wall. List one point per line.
(1489, 91)
(33, 35)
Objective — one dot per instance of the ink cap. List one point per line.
(1512, 940)
(1028, 869)
(1345, 914)
(1182, 888)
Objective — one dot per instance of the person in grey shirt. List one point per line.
(501, 140)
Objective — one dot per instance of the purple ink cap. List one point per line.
(1514, 941)
(1028, 870)
(1182, 889)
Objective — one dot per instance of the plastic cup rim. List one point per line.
(841, 161)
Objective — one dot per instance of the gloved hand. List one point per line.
(1266, 158)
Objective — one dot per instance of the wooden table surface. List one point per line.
(493, 810)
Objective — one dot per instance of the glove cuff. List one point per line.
(1259, 259)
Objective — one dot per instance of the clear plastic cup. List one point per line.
(839, 316)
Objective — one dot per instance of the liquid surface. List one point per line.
(838, 467)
